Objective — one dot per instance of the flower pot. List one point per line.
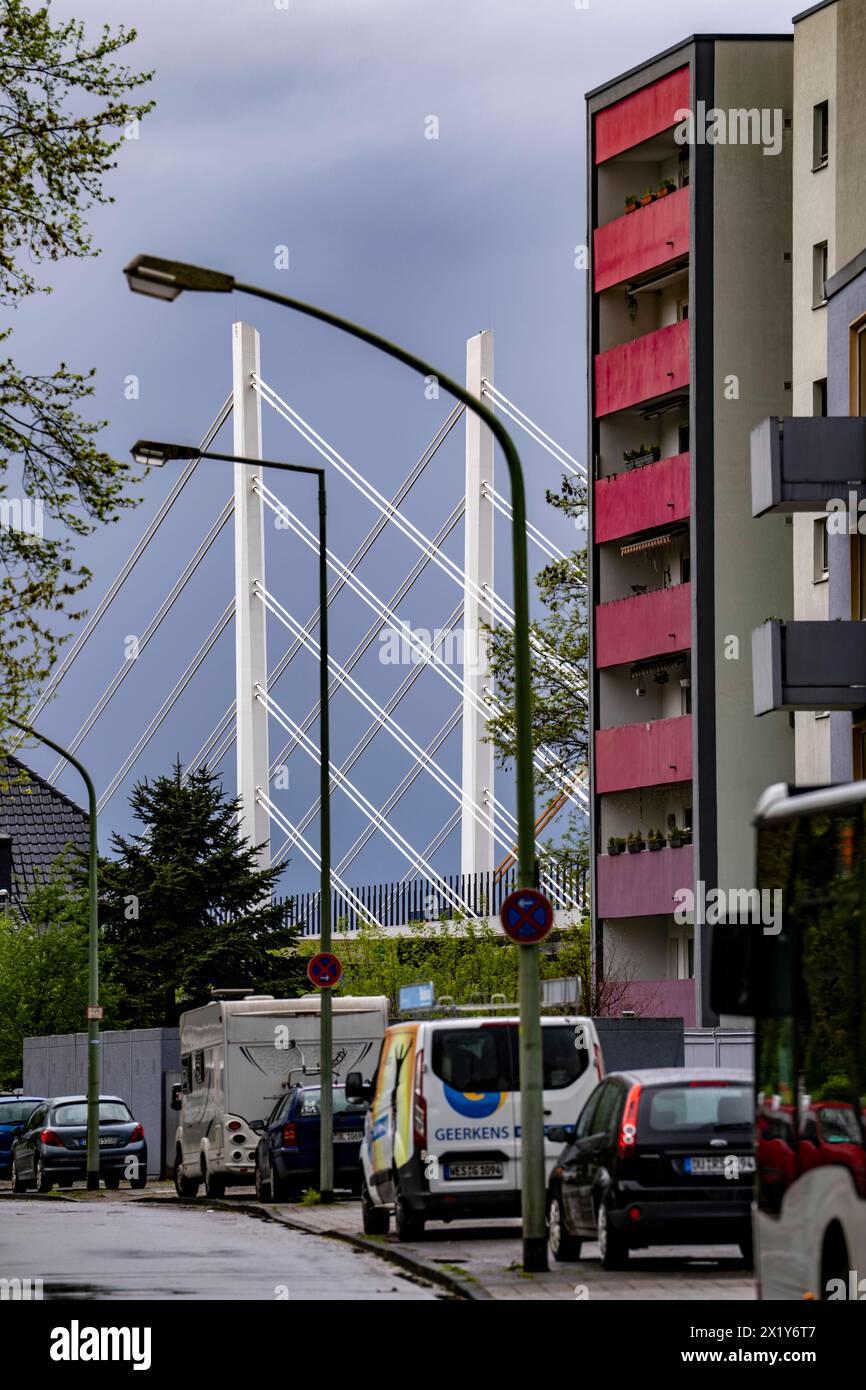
(674, 841)
(646, 199)
(614, 849)
(654, 845)
(636, 849)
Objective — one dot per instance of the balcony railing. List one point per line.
(644, 884)
(643, 755)
(641, 500)
(639, 241)
(809, 666)
(648, 366)
(644, 113)
(634, 629)
(800, 464)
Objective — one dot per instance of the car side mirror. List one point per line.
(257, 1126)
(176, 1095)
(560, 1134)
(357, 1089)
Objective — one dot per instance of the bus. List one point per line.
(803, 980)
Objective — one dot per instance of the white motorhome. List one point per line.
(238, 1056)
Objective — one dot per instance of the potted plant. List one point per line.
(635, 842)
(655, 840)
(675, 838)
(650, 451)
(665, 187)
(686, 834)
(646, 197)
(615, 845)
(632, 202)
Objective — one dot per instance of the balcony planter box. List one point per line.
(632, 204)
(635, 844)
(615, 845)
(655, 841)
(646, 199)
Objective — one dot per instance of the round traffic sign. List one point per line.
(324, 970)
(526, 916)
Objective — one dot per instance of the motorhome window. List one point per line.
(197, 1070)
(186, 1073)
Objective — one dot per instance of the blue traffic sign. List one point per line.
(526, 916)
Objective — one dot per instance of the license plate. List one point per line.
(454, 1171)
(715, 1164)
(106, 1140)
(348, 1136)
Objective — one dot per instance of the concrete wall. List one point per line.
(752, 289)
(632, 1044)
(134, 1063)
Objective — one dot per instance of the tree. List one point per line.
(185, 907)
(43, 971)
(65, 106)
(559, 675)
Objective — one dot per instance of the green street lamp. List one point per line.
(165, 279)
(93, 1009)
(154, 454)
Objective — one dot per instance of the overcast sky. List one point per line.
(304, 127)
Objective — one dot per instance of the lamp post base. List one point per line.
(92, 1182)
(535, 1255)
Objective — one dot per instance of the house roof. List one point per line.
(41, 822)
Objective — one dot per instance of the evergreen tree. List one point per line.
(186, 908)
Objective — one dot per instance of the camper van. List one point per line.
(238, 1056)
(442, 1134)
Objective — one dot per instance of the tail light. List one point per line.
(49, 1137)
(290, 1135)
(628, 1125)
(419, 1104)
(137, 1135)
(599, 1069)
(233, 1125)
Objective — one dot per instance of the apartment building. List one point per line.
(689, 341)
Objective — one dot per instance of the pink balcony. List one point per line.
(642, 885)
(643, 755)
(642, 240)
(638, 117)
(634, 629)
(646, 367)
(642, 499)
(659, 999)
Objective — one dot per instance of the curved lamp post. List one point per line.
(164, 279)
(93, 961)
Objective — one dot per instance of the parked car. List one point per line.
(14, 1111)
(443, 1133)
(288, 1152)
(657, 1158)
(52, 1147)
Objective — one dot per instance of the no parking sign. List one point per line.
(526, 916)
(324, 970)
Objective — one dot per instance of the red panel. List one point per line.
(660, 999)
(641, 885)
(634, 629)
(646, 367)
(642, 499)
(643, 755)
(639, 241)
(643, 114)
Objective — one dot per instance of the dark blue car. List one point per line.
(14, 1111)
(288, 1157)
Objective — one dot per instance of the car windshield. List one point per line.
(686, 1110)
(15, 1112)
(485, 1059)
(838, 1125)
(311, 1102)
(111, 1112)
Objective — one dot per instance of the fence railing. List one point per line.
(420, 900)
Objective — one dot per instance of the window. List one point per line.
(859, 374)
(685, 569)
(186, 1073)
(111, 1112)
(684, 1110)
(607, 1114)
(586, 1118)
(197, 1070)
(690, 949)
(819, 398)
(682, 310)
(685, 695)
(820, 550)
(820, 135)
(684, 439)
(820, 264)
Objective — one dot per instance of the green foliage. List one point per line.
(186, 908)
(43, 972)
(64, 107)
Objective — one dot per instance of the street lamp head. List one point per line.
(152, 453)
(165, 279)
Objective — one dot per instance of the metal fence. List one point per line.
(421, 900)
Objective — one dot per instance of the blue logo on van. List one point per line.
(475, 1105)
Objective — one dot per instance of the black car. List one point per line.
(656, 1158)
(52, 1147)
(288, 1153)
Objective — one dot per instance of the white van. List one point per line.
(442, 1135)
(237, 1057)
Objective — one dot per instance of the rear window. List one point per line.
(311, 1099)
(111, 1112)
(17, 1111)
(687, 1110)
(486, 1058)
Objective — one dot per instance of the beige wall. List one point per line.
(752, 288)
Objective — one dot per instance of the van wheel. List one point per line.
(612, 1246)
(563, 1245)
(376, 1220)
(186, 1188)
(214, 1183)
(407, 1223)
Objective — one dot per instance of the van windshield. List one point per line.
(486, 1058)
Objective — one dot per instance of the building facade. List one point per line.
(689, 215)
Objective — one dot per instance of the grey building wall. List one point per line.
(134, 1064)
